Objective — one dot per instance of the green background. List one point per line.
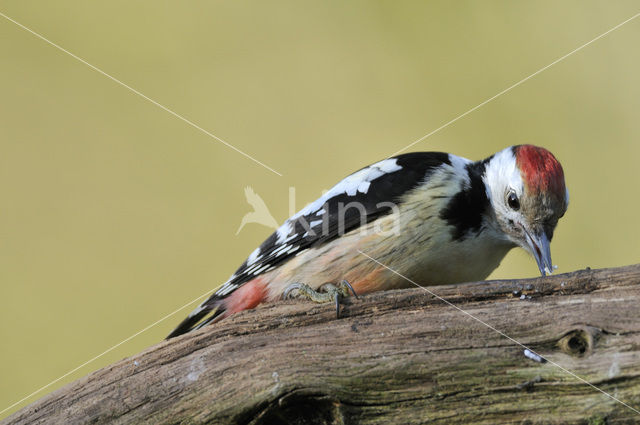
(114, 213)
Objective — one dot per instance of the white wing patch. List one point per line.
(260, 260)
(364, 187)
(387, 166)
(356, 182)
(253, 257)
(359, 181)
(280, 250)
(261, 269)
(225, 289)
(284, 230)
(374, 187)
(314, 223)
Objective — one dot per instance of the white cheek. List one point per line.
(509, 222)
(515, 217)
(501, 175)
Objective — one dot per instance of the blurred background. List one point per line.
(115, 213)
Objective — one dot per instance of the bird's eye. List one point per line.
(513, 201)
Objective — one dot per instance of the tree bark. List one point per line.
(404, 357)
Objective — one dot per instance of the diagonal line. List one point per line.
(175, 114)
(274, 171)
(480, 105)
(500, 332)
(105, 352)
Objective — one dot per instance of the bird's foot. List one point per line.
(326, 293)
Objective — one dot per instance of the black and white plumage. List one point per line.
(374, 188)
(431, 216)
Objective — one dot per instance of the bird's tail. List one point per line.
(206, 313)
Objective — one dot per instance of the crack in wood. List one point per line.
(394, 357)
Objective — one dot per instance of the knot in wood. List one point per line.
(579, 341)
(299, 408)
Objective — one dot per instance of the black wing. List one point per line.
(358, 199)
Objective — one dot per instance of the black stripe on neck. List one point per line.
(465, 210)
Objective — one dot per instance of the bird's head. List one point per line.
(526, 189)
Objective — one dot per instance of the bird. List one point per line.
(260, 213)
(431, 218)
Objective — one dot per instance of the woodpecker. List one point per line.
(430, 217)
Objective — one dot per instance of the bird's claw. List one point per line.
(329, 293)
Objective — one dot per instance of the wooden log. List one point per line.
(394, 357)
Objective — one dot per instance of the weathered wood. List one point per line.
(394, 357)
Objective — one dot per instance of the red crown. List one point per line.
(541, 171)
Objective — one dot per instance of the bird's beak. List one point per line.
(539, 246)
